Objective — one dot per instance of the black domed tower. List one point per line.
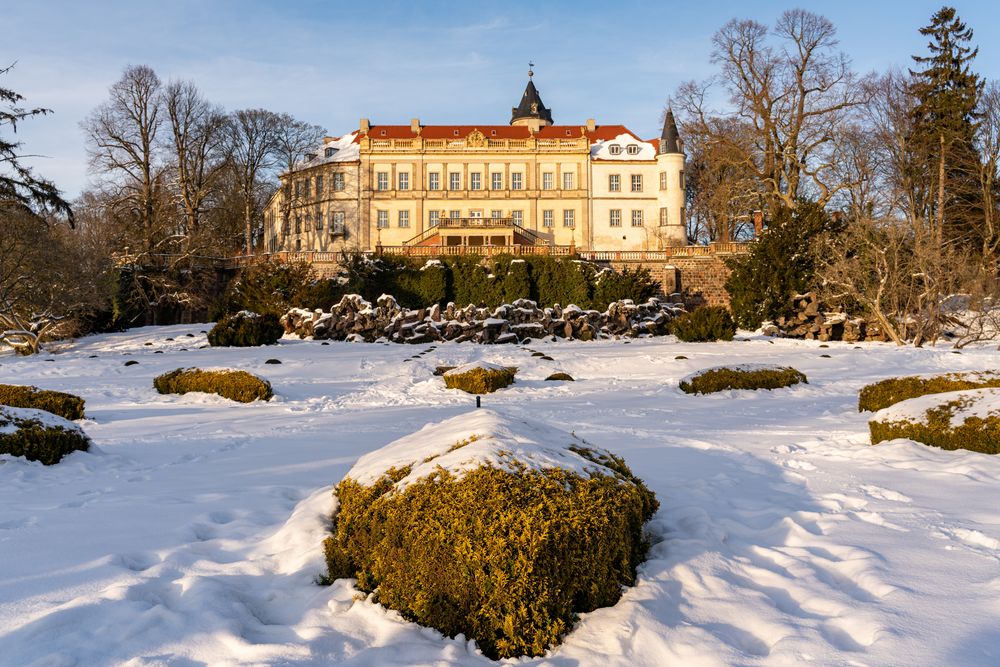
(531, 110)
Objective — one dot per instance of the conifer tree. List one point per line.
(947, 93)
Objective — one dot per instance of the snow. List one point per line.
(345, 148)
(9, 418)
(601, 150)
(473, 365)
(750, 367)
(190, 533)
(978, 403)
(487, 438)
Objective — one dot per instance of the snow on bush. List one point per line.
(879, 395)
(966, 419)
(741, 376)
(234, 385)
(480, 377)
(59, 403)
(497, 528)
(39, 435)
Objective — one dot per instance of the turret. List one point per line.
(671, 194)
(531, 111)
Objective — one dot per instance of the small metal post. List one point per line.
(479, 403)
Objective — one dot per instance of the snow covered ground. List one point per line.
(190, 534)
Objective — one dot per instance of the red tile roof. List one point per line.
(600, 133)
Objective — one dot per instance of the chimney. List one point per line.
(415, 125)
(591, 125)
(365, 125)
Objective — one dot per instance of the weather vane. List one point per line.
(530, 72)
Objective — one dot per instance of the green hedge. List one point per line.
(560, 377)
(705, 324)
(37, 441)
(888, 392)
(59, 403)
(234, 385)
(977, 434)
(480, 380)
(246, 329)
(724, 378)
(506, 558)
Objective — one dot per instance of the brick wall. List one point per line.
(699, 280)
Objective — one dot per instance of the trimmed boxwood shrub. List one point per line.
(480, 379)
(888, 392)
(705, 324)
(59, 403)
(941, 423)
(724, 378)
(564, 377)
(234, 385)
(508, 556)
(246, 329)
(38, 436)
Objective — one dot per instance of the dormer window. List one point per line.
(329, 152)
(382, 133)
(454, 133)
(568, 133)
(633, 149)
(615, 149)
(493, 133)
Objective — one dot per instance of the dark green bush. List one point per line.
(937, 429)
(59, 403)
(635, 284)
(780, 264)
(480, 380)
(888, 392)
(725, 378)
(246, 329)
(31, 438)
(563, 377)
(506, 558)
(270, 287)
(705, 324)
(234, 385)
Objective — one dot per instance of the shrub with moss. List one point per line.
(59, 403)
(466, 527)
(745, 376)
(234, 385)
(246, 329)
(702, 325)
(888, 392)
(479, 378)
(39, 435)
(967, 419)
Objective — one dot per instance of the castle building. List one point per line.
(527, 186)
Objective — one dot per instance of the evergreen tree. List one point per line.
(947, 93)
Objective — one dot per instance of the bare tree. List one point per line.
(122, 135)
(793, 96)
(294, 139)
(252, 146)
(988, 143)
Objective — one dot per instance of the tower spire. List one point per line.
(670, 141)
(531, 111)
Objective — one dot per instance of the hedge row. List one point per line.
(726, 378)
(234, 385)
(59, 403)
(888, 392)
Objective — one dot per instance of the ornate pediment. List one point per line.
(475, 139)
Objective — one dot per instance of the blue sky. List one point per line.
(332, 62)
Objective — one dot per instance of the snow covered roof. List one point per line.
(335, 149)
(476, 439)
(623, 146)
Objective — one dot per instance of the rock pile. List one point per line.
(356, 319)
(809, 322)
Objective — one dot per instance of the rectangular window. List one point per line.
(663, 217)
(615, 183)
(435, 218)
(567, 180)
(309, 222)
(338, 223)
(319, 186)
(496, 180)
(338, 182)
(517, 217)
(569, 217)
(546, 218)
(404, 180)
(404, 218)
(319, 220)
(298, 225)
(683, 219)
(636, 218)
(517, 181)
(298, 189)
(475, 181)
(308, 187)
(547, 181)
(681, 180)
(616, 217)
(454, 180)
(636, 182)
(433, 181)
(454, 215)
(663, 180)
(382, 181)
(383, 219)
(496, 214)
